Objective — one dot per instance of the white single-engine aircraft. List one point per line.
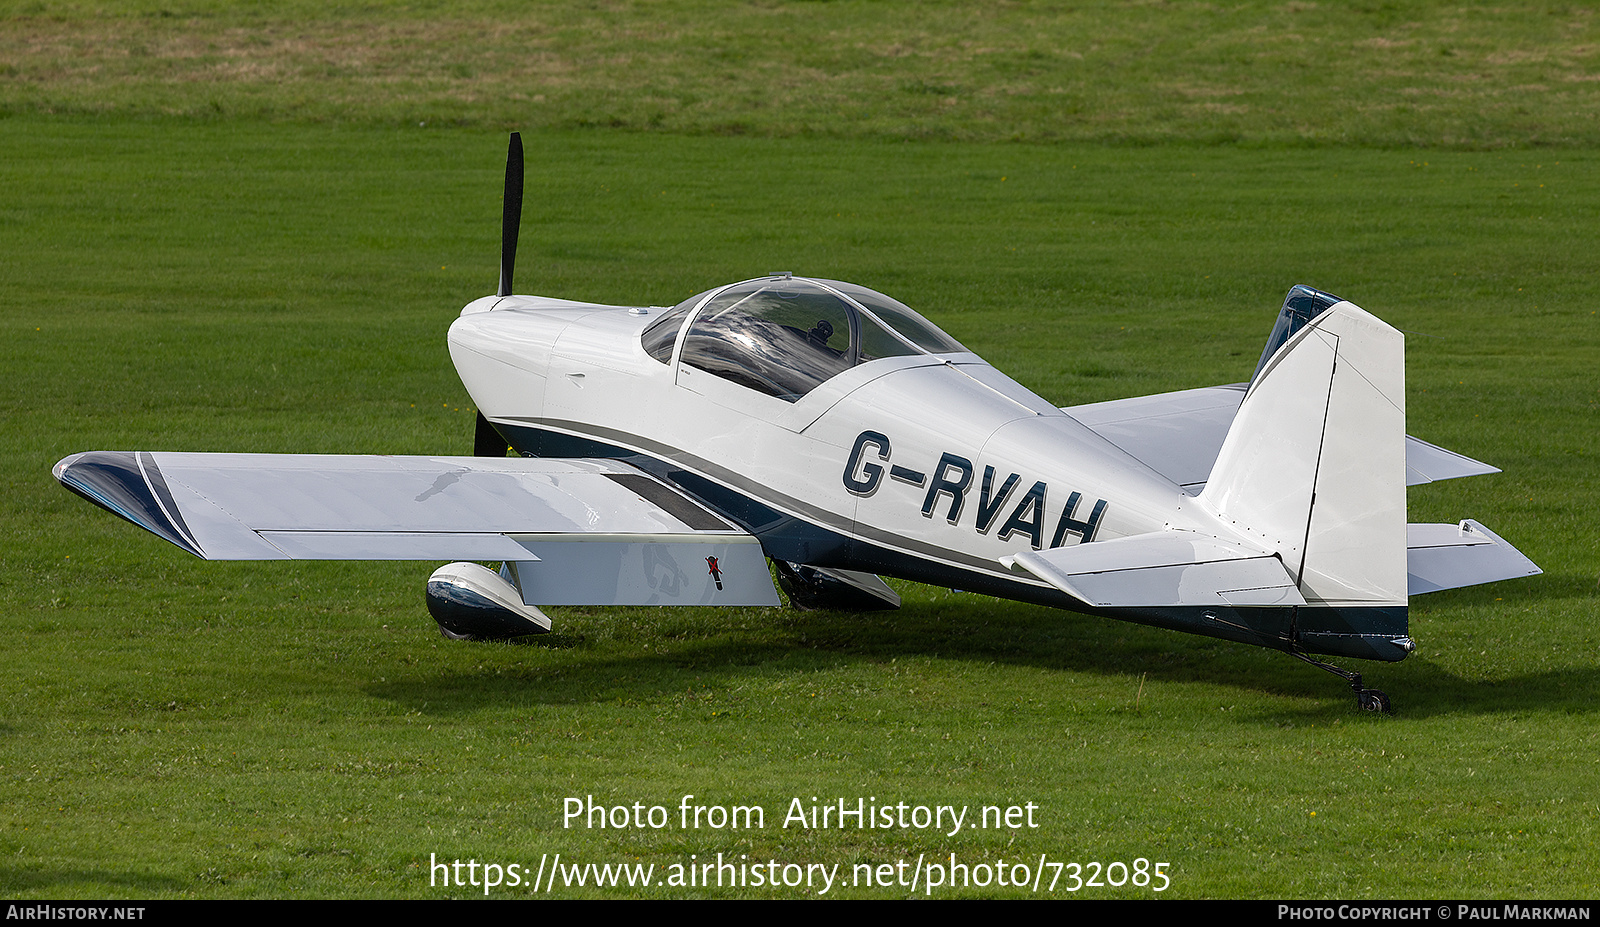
(668, 453)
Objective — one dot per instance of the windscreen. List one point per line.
(780, 336)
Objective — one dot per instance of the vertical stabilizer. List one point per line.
(1314, 464)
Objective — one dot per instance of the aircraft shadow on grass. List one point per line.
(971, 630)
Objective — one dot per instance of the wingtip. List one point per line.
(60, 469)
(127, 484)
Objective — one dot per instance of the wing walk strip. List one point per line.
(674, 503)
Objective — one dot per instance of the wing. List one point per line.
(1180, 434)
(587, 531)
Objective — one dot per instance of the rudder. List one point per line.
(1314, 464)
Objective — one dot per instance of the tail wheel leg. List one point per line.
(1366, 699)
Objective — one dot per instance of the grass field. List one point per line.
(1372, 72)
(276, 280)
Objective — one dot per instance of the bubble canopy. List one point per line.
(784, 335)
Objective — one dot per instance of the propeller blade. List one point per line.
(511, 221)
(487, 442)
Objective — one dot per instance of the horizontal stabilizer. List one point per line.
(1179, 435)
(1426, 463)
(1451, 556)
(1166, 568)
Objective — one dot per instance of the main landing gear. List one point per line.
(1366, 699)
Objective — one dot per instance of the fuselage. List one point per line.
(926, 466)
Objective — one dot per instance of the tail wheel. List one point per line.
(1373, 700)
